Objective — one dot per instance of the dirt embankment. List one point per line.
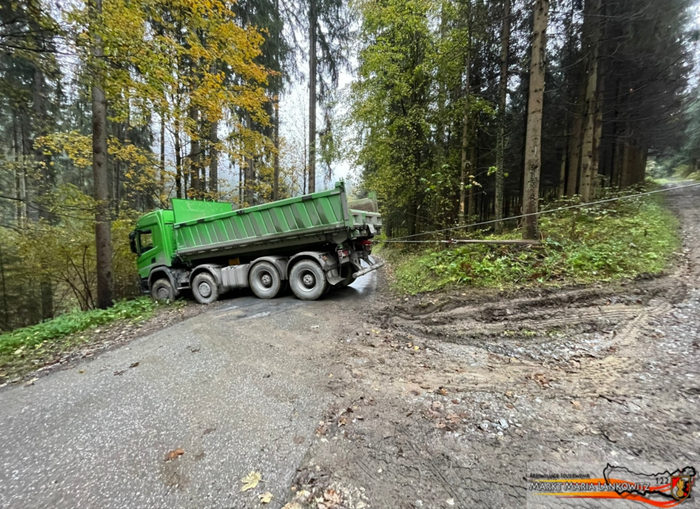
(443, 400)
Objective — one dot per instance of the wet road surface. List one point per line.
(236, 388)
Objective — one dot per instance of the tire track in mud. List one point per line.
(601, 325)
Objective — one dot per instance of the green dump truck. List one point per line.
(312, 242)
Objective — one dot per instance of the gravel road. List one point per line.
(236, 388)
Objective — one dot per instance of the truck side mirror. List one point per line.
(132, 242)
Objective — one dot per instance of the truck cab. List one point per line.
(152, 242)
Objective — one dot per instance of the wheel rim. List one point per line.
(266, 280)
(204, 289)
(308, 280)
(162, 293)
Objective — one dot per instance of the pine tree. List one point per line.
(533, 140)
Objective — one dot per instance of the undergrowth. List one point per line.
(606, 242)
(30, 342)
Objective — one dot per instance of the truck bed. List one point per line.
(312, 220)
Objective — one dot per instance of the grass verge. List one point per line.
(607, 242)
(23, 346)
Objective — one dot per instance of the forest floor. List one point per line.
(446, 400)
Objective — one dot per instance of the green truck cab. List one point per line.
(312, 242)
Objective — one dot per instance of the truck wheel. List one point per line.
(264, 280)
(204, 288)
(308, 280)
(162, 290)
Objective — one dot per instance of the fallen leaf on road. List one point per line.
(251, 481)
(265, 498)
(134, 365)
(291, 505)
(332, 497)
(31, 382)
(453, 418)
(174, 454)
(119, 373)
(542, 380)
(576, 405)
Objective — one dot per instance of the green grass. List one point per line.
(602, 243)
(21, 346)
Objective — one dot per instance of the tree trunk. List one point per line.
(103, 231)
(465, 170)
(20, 210)
(502, 98)
(575, 151)
(195, 184)
(6, 304)
(588, 168)
(597, 135)
(178, 162)
(161, 171)
(471, 202)
(249, 173)
(250, 182)
(312, 95)
(562, 174)
(214, 162)
(276, 163)
(116, 171)
(533, 134)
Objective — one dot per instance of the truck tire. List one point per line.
(307, 279)
(264, 280)
(162, 290)
(204, 288)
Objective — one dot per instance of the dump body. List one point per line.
(200, 236)
(276, 227)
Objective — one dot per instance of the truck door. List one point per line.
(149, 245)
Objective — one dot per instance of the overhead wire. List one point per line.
(538, 213)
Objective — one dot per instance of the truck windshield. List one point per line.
(145, 241)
